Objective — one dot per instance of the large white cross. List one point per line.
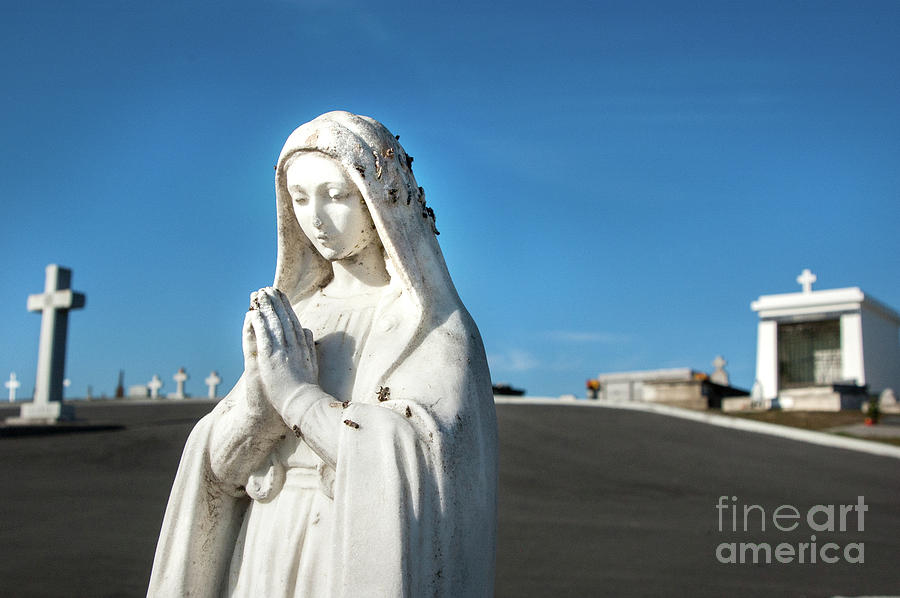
(180, 377)
(54, 304)
(212, 381)
(12, 385)
(806, 280)
(154, 385)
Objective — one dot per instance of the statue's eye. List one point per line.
(336, 194)
(300, 200)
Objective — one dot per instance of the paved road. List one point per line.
(593, 502)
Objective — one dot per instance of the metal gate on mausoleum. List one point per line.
(809, 353)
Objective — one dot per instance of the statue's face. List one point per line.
(329, 207)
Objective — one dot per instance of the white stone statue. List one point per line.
(357, 454)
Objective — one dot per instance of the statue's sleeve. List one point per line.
(415, 480)
(240, 439)
(200, 526)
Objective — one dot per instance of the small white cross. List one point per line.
(154, 385)
(12, 385)
(180, 377)
(806, 280)
(212, 381)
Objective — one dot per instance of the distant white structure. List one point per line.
(180, 378)
(138, 391)
(682, 387)
(719, 376)
(12, 385)
(212, 381)
(812, 345)
(154, 385)
(630, 386)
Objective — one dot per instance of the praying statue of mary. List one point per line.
(357, 454)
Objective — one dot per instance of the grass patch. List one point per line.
(808, 420)
(820, 421)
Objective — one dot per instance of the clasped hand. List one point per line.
(279, 354)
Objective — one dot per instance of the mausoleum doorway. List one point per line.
(809, 353)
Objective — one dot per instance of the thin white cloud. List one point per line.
(575, 336)
(513, 361)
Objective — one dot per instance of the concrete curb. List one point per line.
(724, 421)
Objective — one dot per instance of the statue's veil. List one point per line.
(377, 163)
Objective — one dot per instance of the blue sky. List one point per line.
(614, 181)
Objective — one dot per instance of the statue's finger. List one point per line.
(291, 315)
(273, 322)
(261, 332)
(284, 316)
(310, 341)
(248, 342)
(311, 355)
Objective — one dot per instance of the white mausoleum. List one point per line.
(821, 342)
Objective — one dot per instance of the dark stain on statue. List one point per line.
(384, 393)
(352, 424)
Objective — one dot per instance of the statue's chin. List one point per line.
(330, 254)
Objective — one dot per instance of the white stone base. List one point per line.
(734, 404)
(43, 413)
(823, 398)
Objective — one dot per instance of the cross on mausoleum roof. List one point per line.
(806, 280)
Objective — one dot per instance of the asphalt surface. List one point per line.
(593, 502)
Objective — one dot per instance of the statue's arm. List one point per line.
(243, 434)
(313, 415)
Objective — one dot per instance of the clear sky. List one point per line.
(614, 182)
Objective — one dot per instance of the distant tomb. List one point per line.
(54, 305)
(825, 350)
(887, 401)
(138, 391)
(678, 387)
